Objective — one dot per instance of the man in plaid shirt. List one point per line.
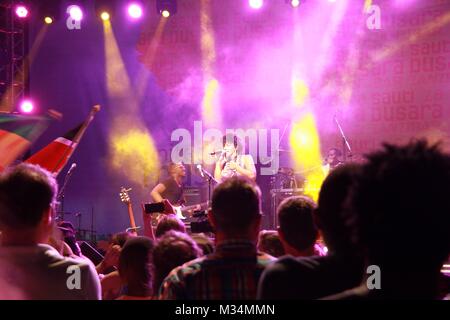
(232, 272)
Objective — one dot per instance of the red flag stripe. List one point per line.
(54, 156)
(11, 145)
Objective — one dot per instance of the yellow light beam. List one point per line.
(304, 138)
(207, 38)
(117, 80)
(300, 92)
(304, 141)
(211, 96)
(412, 38)
(132, 149)
(210, 102)
(367, 4)
(133, 153)
(149, 56)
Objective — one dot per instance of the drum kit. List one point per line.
(287, 183)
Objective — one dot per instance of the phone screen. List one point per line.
(154, 207)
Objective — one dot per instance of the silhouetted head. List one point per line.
(169, 222)
(331, 216)
(296, 223)
(172, 250)
(236, 208)
(269, 242)
(27, 203)
(135, 266)
(403, 202)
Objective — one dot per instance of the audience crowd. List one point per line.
(379, 230)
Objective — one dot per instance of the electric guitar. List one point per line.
(125, 198)
(184, 212)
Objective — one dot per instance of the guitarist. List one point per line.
(171, 188)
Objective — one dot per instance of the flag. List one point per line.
(55, 155)
(17, 133)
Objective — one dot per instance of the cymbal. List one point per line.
(286, 170)
(308, 170)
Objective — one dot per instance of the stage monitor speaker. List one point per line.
(278, 195)
(195, 195)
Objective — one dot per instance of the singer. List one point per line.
(232, 162)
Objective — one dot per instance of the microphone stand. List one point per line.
(345, 143)
(210, 180)
(61, 193)
(282, 136)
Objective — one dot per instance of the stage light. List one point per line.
(165, 13)
(166, 8)
(255, 4)
(75, 12)
(295, 3)
(48, 12)
(106, 9)
(135, 11)
(21, 11)
(105, 16)
(26, 106)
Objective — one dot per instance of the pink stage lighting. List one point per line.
(135, 11)
(75, 12)
(21, 11)
(255, 4)
(26, 106)
(403, 4)
(295, 3)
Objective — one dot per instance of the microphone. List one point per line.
(200, 169)
(72, 167)
(217, 152)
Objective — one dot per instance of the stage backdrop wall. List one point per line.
(387, 84)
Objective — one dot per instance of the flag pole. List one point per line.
(77, 138)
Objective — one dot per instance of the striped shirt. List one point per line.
(230, 273)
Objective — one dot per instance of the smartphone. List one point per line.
(154, 207)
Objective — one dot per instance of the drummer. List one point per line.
(332, 160)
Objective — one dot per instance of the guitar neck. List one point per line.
(131, 216)
(194, 207)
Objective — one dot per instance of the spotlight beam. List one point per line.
(131, 145)
(211, 96)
